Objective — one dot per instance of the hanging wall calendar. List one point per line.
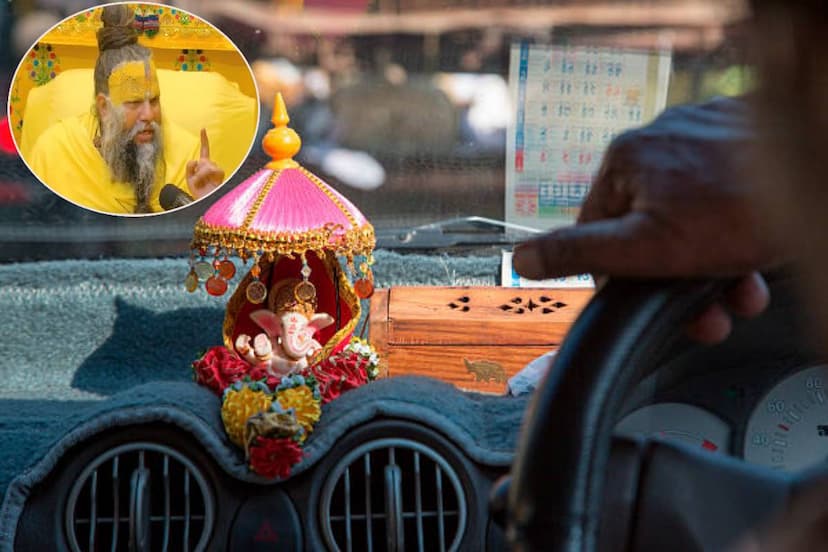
(571, 101)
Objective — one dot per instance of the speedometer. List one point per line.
(788, 429)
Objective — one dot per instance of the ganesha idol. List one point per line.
(289, 324)
(309, 312)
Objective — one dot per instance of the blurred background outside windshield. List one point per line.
(402, 105)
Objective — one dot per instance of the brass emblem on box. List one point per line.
(486, 370)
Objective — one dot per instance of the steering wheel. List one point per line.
(569, 470)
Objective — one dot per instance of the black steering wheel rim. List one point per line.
(560, 467)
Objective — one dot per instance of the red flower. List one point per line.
(273, 458)
(328, 376)
(330, 391)
(218, 368)
(340, 373)
(354, 374)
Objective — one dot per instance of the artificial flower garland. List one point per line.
(288, 406)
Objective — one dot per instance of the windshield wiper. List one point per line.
(463, 231)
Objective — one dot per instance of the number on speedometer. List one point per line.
(788, 429)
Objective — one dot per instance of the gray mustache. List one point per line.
(138, 127)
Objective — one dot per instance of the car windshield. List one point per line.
(444, 124)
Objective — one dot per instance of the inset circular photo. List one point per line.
(133, 108)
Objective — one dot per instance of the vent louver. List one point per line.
(393, 494)
(139, 496)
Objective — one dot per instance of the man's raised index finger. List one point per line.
(624, 246)
(205, 145)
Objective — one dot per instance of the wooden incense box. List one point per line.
(473, 337)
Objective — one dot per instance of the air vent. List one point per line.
(393, 494)
(136, 497)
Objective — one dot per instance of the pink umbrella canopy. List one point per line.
(281, 210)
(285, 211)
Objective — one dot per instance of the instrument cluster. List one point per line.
(781, 423)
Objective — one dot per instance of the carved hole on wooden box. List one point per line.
(531, 305)
(463, 308)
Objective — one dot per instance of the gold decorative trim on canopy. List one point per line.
(355, 241)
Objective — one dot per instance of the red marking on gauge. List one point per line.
(783, 427)
(709, 445)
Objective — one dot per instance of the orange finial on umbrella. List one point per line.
(281, 143)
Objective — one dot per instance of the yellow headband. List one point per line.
(133, 81)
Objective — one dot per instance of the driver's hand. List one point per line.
(203, 176)
(672, 199)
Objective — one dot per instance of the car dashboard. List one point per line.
(392, 482)
(389, 483)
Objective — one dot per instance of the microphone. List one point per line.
(172, 197)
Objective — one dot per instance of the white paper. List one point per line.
(510, 278)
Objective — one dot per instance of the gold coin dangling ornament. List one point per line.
(256, 292)
(191, 282)
(304, 292)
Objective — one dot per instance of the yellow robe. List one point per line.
(65, 158)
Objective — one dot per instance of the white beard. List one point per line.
(128, 161)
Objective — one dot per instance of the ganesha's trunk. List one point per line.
(297, 344)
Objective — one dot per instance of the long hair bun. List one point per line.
(117, 30)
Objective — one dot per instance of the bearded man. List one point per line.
(117, 158)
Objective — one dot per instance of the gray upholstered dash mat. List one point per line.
(84, 330)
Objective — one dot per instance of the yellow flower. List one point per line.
(238, 406)
(306, 407)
